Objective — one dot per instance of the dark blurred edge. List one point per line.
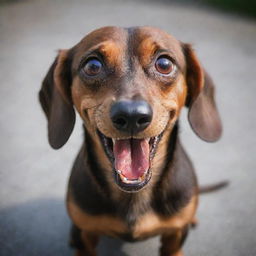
(10, 1)
(244, 7)
(239, 6)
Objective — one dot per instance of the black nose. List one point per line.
(131, 116)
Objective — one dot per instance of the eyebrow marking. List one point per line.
(108, 50)
(149, 46)
(149, 49)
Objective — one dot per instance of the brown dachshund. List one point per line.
(132, 178)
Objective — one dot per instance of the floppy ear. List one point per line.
(203, 115)
(55, 99)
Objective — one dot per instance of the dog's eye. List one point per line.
(92, 67)
(164, 65)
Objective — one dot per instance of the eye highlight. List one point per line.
(164, 65)
(92, 67)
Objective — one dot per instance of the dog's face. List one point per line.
(129, 86)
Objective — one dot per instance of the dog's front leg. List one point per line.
(90, 242)
(85, 243)
(171, 243)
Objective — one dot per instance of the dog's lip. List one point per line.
(131, 186)
(125, 184)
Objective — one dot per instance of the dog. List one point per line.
(132, 178)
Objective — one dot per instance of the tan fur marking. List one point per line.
(102, 225)
(152, 224)
(147, 49)
(113, 52)
(171, 244)
(148, 225)
(179, 253)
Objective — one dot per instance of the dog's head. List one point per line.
(129, 86)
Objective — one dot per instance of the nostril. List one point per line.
(143, 120)
(120, 122)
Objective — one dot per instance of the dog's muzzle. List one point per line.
(131, 157)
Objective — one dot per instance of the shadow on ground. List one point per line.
(41, 227)
(37, 227)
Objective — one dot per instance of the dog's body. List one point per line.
(132, 178)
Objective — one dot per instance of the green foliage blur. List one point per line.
(239, 6)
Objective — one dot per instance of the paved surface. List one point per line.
(33, 177)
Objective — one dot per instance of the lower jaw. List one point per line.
(132, 186)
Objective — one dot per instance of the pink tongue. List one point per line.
(131, 157)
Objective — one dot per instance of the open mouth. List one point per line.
(131, 159)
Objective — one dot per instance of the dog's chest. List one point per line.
(147, 225)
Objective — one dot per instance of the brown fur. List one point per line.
(149, 224)
(167, 205)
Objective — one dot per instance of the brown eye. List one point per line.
(92, 67)
(164, 65)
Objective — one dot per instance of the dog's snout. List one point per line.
(131, 116)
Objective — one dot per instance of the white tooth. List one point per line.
(128, 181)
(136, 181)
(148, 139)
(114, 141)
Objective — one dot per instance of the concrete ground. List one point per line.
(33, 177)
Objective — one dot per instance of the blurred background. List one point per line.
(33, 177)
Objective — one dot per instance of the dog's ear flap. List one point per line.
(55, 99)
(203, 114)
